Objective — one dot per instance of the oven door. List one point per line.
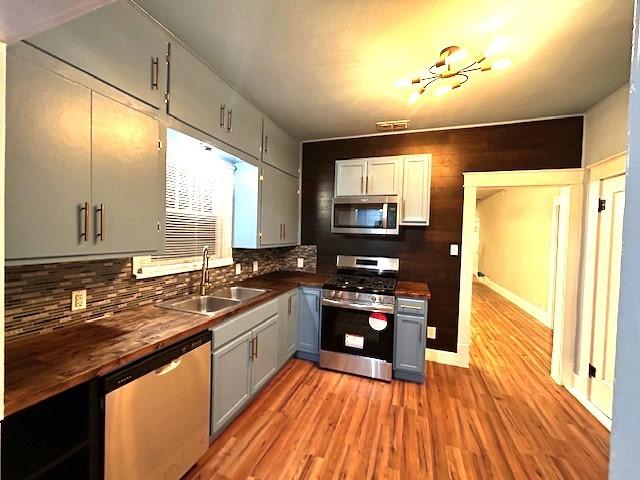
(355, 331)
(365, 215)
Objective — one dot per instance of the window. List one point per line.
(199, 209)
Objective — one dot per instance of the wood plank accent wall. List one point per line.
(424, 252)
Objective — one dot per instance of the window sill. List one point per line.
(142, 268)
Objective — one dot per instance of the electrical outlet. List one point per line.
(78, 300)
(431, 333)
(238, 268)
(454, 249)
(300, 262)
(255, 265)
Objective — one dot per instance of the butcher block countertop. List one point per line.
(42, 366)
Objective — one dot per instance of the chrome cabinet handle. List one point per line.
(420, 334)
(229, 119)
(367, 184)
(318, 304)
(85, 211)
(362, 185)
(410, 307)
(155, 71)
(100, 234)
(256, 339)
(284, 231)
(289, 307)
(222, 109)
(266, 144)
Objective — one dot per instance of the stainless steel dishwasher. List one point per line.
(157, 413)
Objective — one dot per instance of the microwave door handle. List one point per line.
(384, 216)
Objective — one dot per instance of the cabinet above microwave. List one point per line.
(408, 177)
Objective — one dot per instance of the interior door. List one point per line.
(48, 167)
(384, 176)
(128, 179)
(607, 286)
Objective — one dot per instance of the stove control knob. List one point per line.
(374, 299)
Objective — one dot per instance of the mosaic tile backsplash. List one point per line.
(38, 297)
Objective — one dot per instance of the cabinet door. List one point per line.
(243, 125)
(117, 44)
(48, 163)
(128, 179)
(309, 320)
(265, 361)
(384, 176)
(231, 380)
(287, 326)
(197, 96)
(416, 188)
(409, 343)
(280, 150)
(279, 208)
(292, 324)
(350, 176)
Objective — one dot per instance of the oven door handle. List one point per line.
(356, 306)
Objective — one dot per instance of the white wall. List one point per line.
(605, 127)
(515, 241)
(624, 458)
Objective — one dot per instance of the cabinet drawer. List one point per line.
(244, 322)
(411, 306)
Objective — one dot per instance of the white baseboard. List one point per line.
(536, 312)
(581, 395)
(456, 359)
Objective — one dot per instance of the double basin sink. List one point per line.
(217, 300)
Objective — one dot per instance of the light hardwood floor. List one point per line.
(502, 418)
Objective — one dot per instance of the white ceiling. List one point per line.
(23, 18)
(327, 68)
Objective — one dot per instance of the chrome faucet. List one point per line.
(204, 278)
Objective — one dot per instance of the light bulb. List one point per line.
(403, 83)
(457, 56)
(496, 46)
(501, 64)
(442, 90)
(413, 98)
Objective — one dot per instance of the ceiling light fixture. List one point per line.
(448, 73)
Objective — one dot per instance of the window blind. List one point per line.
(199, 209)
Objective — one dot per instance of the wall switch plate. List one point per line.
(431, 333)
(255, 265)
(454, 249)
(78, 300)
(238, 268)
(300, 262)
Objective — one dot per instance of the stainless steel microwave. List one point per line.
(367, 215)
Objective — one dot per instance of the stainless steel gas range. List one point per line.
(358, 312)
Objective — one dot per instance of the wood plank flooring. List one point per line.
(502, 418)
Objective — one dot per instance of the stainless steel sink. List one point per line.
(237, 293)
(203, 305)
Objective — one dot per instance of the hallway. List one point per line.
(502, 418)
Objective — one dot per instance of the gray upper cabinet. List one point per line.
(410, 339)
(287, 326)
(48, 163)
(243, 125)
(128, 178)
(279, 149)
(196, 95)
(309, 321)
(279, 208)
(117, 44)
(265, 353)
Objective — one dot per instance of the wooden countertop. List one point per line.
(42, 366)
(413, 289)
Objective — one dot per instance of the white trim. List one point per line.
(522, 178)
(533, 310)
(608, 167)
(142, 269)
(577, 388)
(451, 127)
(456, 359)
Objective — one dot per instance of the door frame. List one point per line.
(609, 167)
(570, 182)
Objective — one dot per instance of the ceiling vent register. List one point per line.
(392, 125)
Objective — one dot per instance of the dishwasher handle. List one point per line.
(169, 367)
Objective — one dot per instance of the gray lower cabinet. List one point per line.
(410, 340)
(279, 208)
(231, 380)
(48, 163)
(265, 353)
(117, 44)
(309, 323)
(84, 175)
(287, 326)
